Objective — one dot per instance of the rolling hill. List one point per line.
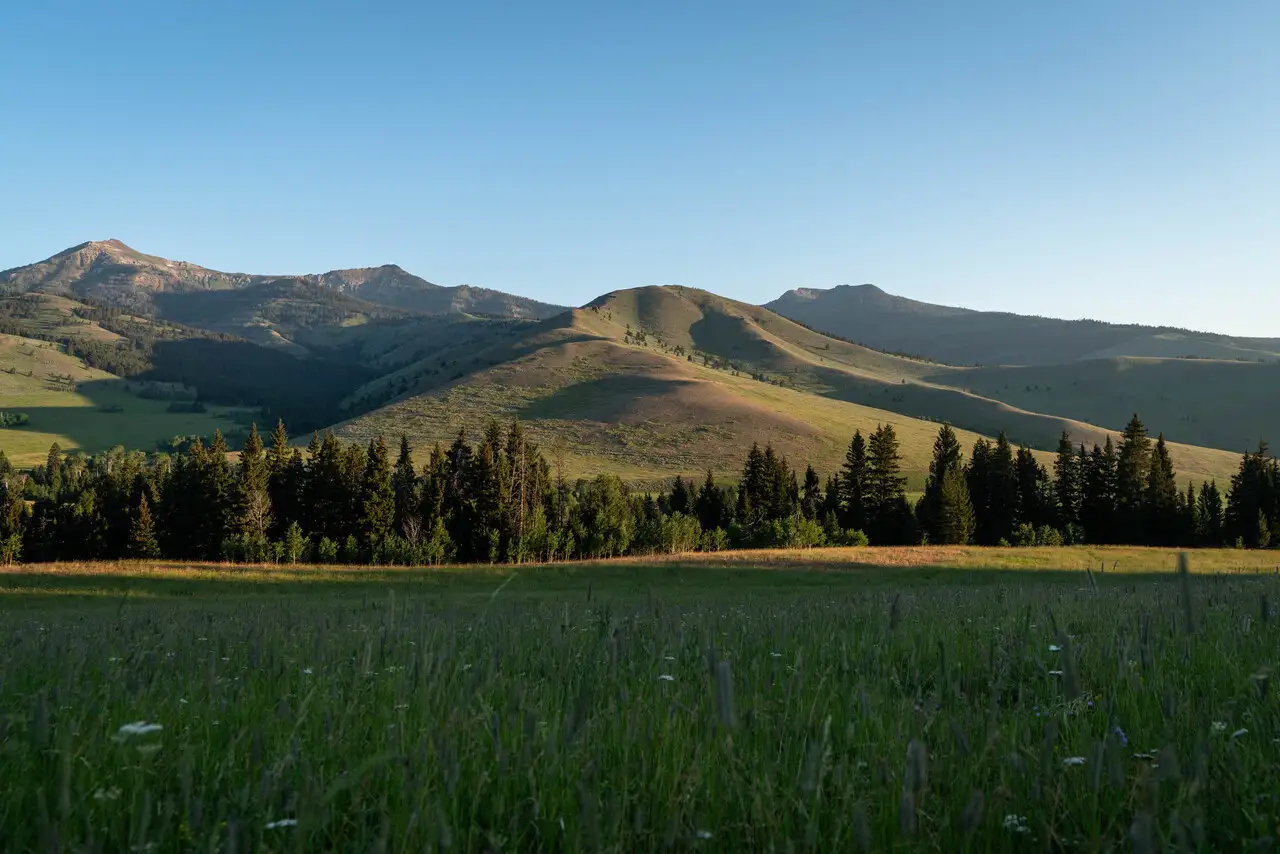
(652, 381)
(645, 382)
(960, 336)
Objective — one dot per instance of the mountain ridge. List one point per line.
(115, 273)
(963, 336)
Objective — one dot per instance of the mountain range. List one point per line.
(645, 382)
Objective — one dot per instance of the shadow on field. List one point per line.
(127, 581)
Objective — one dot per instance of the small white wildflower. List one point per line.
(182, 701)
(1016, 823)
(466, 667)
(562, 824)
(669, 657)
(775, 655)
(1072, 760)
(139, 728)
(284, 822)
(148, 749)
(307, 671)
(1219, 726)
(1053, 647)
(1055, 672)
(201, 639)
(1239, 733)
(666, 677)
(704, 834)
(113, 659)
(107, 794)
(1148, 756)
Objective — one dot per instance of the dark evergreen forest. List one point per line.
(497, 499)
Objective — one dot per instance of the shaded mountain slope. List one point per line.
(960, 336)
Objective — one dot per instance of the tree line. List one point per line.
(499, 500)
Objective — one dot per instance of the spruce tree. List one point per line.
(946, 458)
(1209, 515)
(1033, 491)
(711, 506)
(378, 506)
(1098, 503)
(1160, 505)
(978, 479)
(955, 519)
(404, 485)
(1001, 495)
(1067, 482)
(252, 496)
(142, 538)
(891, 521)
(853, 485)
(678, 500)
(811, 496)
(1133, 463)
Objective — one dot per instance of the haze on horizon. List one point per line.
(1083, 161)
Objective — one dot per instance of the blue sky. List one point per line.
(1103, 159)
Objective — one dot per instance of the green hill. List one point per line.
(653, 381)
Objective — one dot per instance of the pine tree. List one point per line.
(1254, 495)
(1033, 491)
(252, 495)
(678, 501)
(946, 458)
(997, 520)
(142, 538)
(53, 465)
(1067, 482)
(978, 479)
(711, 506)
(1160, 504)
(404, 485)
(1098, 504)
(811, 498)
(1133, 463)
(955, 519)
(753, 488)
(891, 521)
(378, 506)
(853, 485)
(1209, 515)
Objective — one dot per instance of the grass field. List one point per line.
(99, 414)
(840, 700)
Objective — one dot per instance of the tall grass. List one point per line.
(944, 717)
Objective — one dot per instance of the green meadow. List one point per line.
(836, 700)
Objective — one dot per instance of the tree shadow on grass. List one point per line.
(625, 580)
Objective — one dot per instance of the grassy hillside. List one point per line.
(655, 381)
(93, 411)
(963, 337)
(1218, 404)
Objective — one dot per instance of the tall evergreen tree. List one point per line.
(891, 521)
(1162, 515)
(1254, 495)
(1209, 516)
(252, 490)
(711, 506)
(946, 458)
(142, 540)
(811, 496)
(1034, 496)
(404, 486)
(853, 485)
(378, 501)
(998, 517)
(955, 518)
(1098, 504)
(1068, 483)
(1133, 463)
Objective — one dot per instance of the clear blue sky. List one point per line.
(1096, 158)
